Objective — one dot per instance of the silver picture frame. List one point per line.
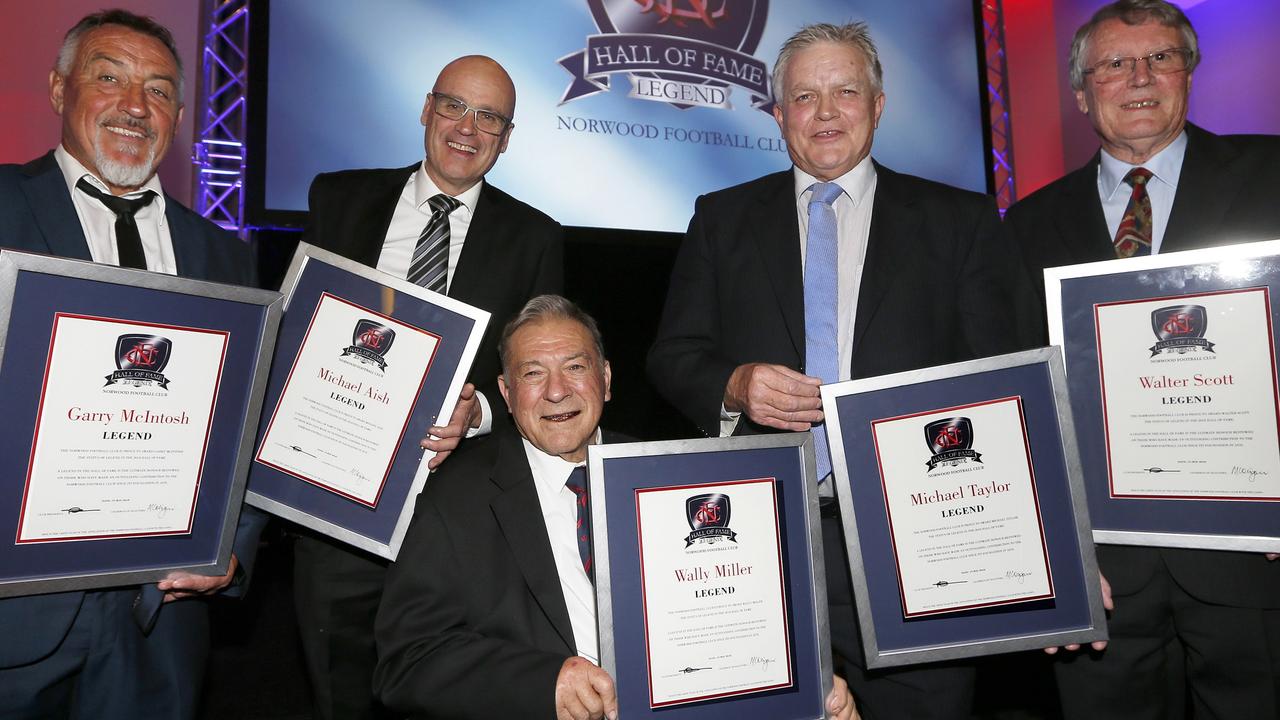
(1075, 615)
(1218, 525)
(129, 561)
(322, 511)
(608, 466)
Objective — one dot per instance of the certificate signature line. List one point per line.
(689, 670)
(299, 449)
(76, 509)
(1158, 470)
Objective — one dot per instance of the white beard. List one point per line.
(121, 174)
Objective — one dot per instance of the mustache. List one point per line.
(131, 123)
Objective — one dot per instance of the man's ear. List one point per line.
(57, 84)
(502, 388)
(608, 380)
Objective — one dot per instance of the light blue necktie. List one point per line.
(821, 305)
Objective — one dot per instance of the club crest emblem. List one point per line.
(140, 360)
(951, 442)
(370, 342)
(1180, 329)
(708, 517)
(687, 53)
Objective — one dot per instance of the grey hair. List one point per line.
(856, 35)
(548, 307)
(1131, 12)
(138, 23)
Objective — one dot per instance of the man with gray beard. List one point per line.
(117, 86)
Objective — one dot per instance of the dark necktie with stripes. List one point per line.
(430, 265)
(577, 482)
(128, 241)
(1134, 235)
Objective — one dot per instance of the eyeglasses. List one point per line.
(1170, 60)
(447, 106)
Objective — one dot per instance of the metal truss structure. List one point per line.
(998, 103)
(222, 126)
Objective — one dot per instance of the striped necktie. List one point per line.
(430, 265)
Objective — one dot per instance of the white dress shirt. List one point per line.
(407, 221)
(99, 222)
(853, 227)
(560, 513)
(1165, 167)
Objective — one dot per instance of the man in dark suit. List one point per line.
(908, 275)
(1184, 620)
(489, 250)
(117, 86)
(489, 610)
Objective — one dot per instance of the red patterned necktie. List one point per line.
(577, 482)
(1134, 236)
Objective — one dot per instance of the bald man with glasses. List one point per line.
(436, 223)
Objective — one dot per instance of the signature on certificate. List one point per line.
(761, 662)
(159, 510)
(1018, 575)
(1251, 472)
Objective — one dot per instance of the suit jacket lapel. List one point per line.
(50, 202)
(518, 512)
(1206, 186)
(777, 237)
(893, 229)
(1086, 236)
(190, 253)
(482, 250)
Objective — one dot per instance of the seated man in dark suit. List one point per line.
(489, 611)
(440, 224)
(1187, 623)
(836, 268)
(117, 86)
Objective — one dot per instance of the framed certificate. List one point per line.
(963, 510)
(1172, 365)
(365, 364)
(127, 396)
(710, 593)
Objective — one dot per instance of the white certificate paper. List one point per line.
(120, 458)
(1189, 396)
(715, 604)
(345, 407)
(960, 494)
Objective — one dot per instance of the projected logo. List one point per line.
(141, 359)
(370, 342)
(1180, 329)
(951, 442)
(686, 53)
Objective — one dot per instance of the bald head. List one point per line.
(459, 152)
(480, 70)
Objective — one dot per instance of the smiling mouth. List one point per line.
(562, 417)
(127, 132)
(1140, 105)
(460, 147)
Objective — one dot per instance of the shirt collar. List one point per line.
(73, 171)
(1165, 166)
(551, 471)
(855, 183)
(424, 189)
